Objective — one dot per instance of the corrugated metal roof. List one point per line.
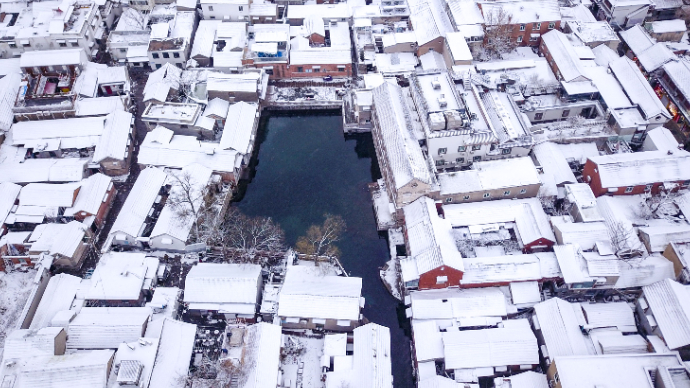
(222, 283)
(239, 127)
(560, 328)
(329, 297)
(372, 356)
(456, 303)
(91, 195)
(75, 370)
(106, 327)
(513, 345)
(261, 356)
(139, 202)
(669, 301)
(58, 296)
(616, 314)
(115, 138)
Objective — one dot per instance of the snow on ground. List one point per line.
(317, 93)
(15, 288)
(305, 354)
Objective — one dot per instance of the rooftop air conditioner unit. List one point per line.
(436, 84)
(442, 102)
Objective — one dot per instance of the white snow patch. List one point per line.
(15, 288)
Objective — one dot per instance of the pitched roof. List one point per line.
(640, 168)
(174, 354)
(564, 55)
(75, 370)
(91, 195)
(261, 356)
(120, 276)
(8, 195)
(115, 139)
(638, 89)
(160, 82)
(372, 356)
(403, 154)
(513, 344)
(239, 127)
(222, 284)
(139, 201)
(670, 304)
(58, 296)
(106, 327)
(305, 295)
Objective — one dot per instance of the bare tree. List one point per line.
(498, 32)
(653, 205)
(189, 199)
(620, 234)
(320, 239)
(133, 19)
(248, 236)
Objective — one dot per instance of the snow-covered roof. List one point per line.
(664, 26)
(403, 154)
(556, 170)
(58, 295)
(52, 58)
(395, 63)
(98, 106)
(490, 175)
(121, 276)
(501, 269)
(572, 264)
(660, 139)
(626, 370)
(115, 139)
(106, 327)
(679, 73)
(527, 379)
(232, 287)
(531, 221)
(162, 148)
(655, 57)
(637, 39)
(8, 195)
(453, 303)
(217, 107)
(305, 295)
(239, 127)
(49, 194)
(160, 82)
(320, 56)
(173, 221)
(429, 20)
(9, 87)
(428, 343)
(658, 237)
(82, 132)
(91, 195)
(430, 237)
(609, 88)
(669, 302)
(136, 208)
(261, 356)
(564, 55)
(135, 360)
(513, 344)
(584, 234)
(249, 82)
(74, 370)
(559, 325)
(534, 11)
(593, 31)
(617, 315)
(23, 343)
(44, 170)
(638, 89)
(174, 354)
(203, 40)
(59, 239)
(372, 356)
(326, 11)
(640, 168)
(458, 46)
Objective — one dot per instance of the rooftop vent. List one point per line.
(442, 102)
(436, 84)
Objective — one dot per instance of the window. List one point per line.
(565, 113)
(64, 44)
(210, 8)
(309, 70)
(440, 162)
(158, 65)
(442, 151)
(487, 195)
(317, 70)
(506, 151)
(13, 45)
(441, 279)
(178, 65)
(341, 68)
(465, 198)
(477, 159)
(476, 147)
(506, 193)
(552, 25)
(462, 148)
(212, 17)
(155, 55)
(74, 43)
(241, 8)
(538, 116)
(300, 69)
(523, 191)
(26, 44)
(123, 50)
(648, 188)
(449, 199)
(522, 27)
(537, 27)
(176, 55)
(519, 39)
(629, 189)
(460, 160)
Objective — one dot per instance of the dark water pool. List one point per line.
(304, 167)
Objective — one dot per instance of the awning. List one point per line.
(535, 35)
(60, 40)
(24, 42)
(343, 322)
(74, 41)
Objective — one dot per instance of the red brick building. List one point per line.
(636, 173)
(94, 200)
(528, 20)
